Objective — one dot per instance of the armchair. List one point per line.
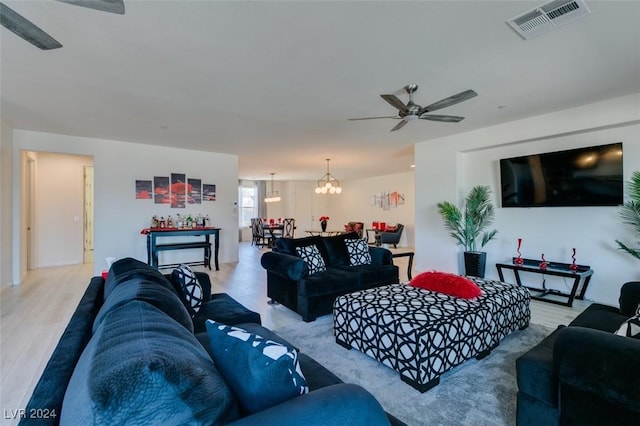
(583, 373)
(390, 236)
(355, 227)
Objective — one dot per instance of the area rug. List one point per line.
(478, 392)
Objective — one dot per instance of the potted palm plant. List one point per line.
(466, 228)
(630, 213)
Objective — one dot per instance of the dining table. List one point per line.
(326, 233)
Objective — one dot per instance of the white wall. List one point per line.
(119, 217)
(6, 214)
(354, 204)
(447, 168)
(58, 231)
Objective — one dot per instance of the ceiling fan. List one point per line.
(16, 23)
(412, 111)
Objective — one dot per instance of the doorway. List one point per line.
(57, 210)
(88, 214)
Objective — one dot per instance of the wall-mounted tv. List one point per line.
(589, 176)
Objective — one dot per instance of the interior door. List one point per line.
(88, 214)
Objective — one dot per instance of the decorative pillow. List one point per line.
(191, 288)
(313, 259)
(631, 327)
(447, 283)
(358, 252)
(261, 372)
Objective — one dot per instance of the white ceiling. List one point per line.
(275, 82)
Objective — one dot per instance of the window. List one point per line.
(248, 205)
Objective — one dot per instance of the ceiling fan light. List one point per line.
(410, 117)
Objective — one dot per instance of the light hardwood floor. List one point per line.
(34, 315)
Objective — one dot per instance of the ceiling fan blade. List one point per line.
(26, 29)
(372, 118)
(395, 102)
(443, 118)
(113, 6)
(451, 100)
(399, 126)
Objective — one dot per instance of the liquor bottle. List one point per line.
(169, 222)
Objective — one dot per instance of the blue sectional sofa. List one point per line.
(291, 282)
(129, 355)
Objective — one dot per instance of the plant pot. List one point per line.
(323, 225)
(475, 263)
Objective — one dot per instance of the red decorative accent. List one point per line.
(544, 264)
(104, 274)
(518, 260)
(447, 283)
(573, 267)
(383, 226)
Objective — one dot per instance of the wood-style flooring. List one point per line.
(34, 314)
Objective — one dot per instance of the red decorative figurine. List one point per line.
(573, 267)
(544, 264)
(518, 260)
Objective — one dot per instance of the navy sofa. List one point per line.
(584, 374)
(129, 355)
(312, 295)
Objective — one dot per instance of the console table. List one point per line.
(153, 247)
(582, 275)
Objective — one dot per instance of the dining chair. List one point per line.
(289, 227)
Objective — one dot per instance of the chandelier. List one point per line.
(328, 184)
(273, 196)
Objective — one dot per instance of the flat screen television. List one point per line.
(589, 176)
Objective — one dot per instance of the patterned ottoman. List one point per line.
(422, 334)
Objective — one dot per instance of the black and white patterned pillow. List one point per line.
(313, 259)
(191, 288)
(261, 372)
(358, 252)
(631, 327)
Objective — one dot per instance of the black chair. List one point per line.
(259, 237)
(390, 237)
(288, 227)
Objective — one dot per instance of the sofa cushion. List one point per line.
(261, 372)
(370, 276)
(358, 251)
(335, 250)
(288, 245)
(142, 367)
(123, 269)
(600, 317)
(153, 291)
(447, 283)
(333, 281)
(190, 288)
(313, 259)
(224, 309)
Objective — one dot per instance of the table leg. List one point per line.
(207, 252)
(216, 245)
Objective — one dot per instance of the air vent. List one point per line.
(547, 17)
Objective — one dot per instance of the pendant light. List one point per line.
(273, 196)
(328, 184)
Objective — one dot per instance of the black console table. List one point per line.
(582, 275)
(153, 247)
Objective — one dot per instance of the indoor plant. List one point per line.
(466, 228)
(630, 213)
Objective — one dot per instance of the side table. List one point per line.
(582, 275)
(408, 254)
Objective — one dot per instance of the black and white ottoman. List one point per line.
(422, 334)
